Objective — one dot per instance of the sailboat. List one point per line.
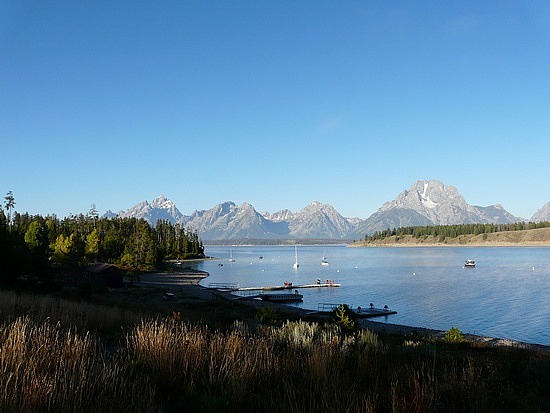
(296, 265)
(231, 259)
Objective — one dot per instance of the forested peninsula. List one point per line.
(518, 234)
(42, 246)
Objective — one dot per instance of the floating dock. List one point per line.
(361, 312)
(288, 286)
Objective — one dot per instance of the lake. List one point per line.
(505, 296)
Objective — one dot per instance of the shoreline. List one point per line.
(470, 244)
(187, 280)
(390, 328)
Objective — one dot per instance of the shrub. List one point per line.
(267, 315)
(345, 318)
(454, 335)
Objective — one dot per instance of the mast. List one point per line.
(296, 265)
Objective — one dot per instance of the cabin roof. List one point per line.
(100, 267)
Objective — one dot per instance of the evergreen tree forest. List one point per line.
(452, 231)
(33, 244)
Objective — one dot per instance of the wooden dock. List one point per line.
(288, 286)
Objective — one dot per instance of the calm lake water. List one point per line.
(507, 295)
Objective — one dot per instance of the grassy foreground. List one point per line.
(60, 356)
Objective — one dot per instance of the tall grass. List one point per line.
(80, 315)
(44, 368)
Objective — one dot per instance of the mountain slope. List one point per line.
(228, 221)
(542, 214)
(431, 203)
(319, 220)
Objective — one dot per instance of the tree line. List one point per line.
(452, 231)
(37, 244)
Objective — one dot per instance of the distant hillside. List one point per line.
(529, 237)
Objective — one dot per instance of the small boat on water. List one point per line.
(324, 261)
(470, 264)
(295, 265)
(282, 297)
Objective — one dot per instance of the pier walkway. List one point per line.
(286, 286)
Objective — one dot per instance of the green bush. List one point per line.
(345, 318)
(454, 335)
(267, 316)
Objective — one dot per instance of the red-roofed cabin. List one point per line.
(109, 274)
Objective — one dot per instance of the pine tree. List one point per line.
(9, 203)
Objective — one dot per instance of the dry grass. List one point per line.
(44, 368)
(79, 315)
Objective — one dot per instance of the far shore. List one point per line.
(539, 237)
(442, 244)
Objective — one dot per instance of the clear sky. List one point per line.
(275, 103)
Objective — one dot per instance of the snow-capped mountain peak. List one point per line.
(431, 203)
(160, 208)
(162, 202)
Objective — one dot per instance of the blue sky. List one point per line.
(275, 103)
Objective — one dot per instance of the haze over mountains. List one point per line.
(425, 203)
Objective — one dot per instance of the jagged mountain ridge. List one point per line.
(425, 203)
(229, 221)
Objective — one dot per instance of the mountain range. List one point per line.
(425, 203)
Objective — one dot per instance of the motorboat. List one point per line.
(324, 261)
(470, 264)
